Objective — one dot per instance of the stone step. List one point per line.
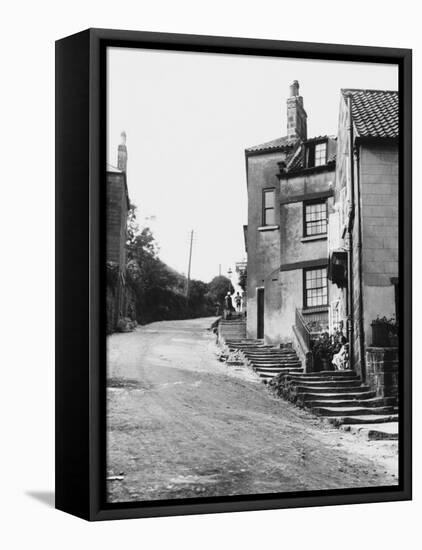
(263, 352)
(270, 361)
(307, 378)
(246, 346)
(278, 370)
(376, 431)
(334, 373)
(250, 342)
(242, 350)
(267, 375)
(243, 346)
(363, 419)
(243, 342)
(327, 383)
(327, 389)
(275, 363)
(271, 356)
(294, 368)
(351, 411)
(352, 396)
(371, 402)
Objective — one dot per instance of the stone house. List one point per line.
(363, 225)
(290, 188)
(118, 295)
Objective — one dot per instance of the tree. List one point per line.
(198, 303)
(218, 288)
(159, 289)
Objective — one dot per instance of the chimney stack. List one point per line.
(296, 114)
(122, 153)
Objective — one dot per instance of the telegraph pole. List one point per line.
(189, 264)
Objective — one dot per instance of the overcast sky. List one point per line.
(188, 119)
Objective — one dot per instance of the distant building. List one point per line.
(363, 226)
(117, 207)
(240, 267)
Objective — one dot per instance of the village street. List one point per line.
(182, 424)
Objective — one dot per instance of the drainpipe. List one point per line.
(351, 213)
(359, 247)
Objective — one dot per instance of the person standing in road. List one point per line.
(228, 306)
(238, 302)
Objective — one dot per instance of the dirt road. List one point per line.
(182, 424)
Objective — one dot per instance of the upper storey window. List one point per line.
(316, 154)
(268, 210)
(320, 154)
(315, 218)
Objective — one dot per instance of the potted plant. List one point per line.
(324, 347)
(384, 332)
(322, 352)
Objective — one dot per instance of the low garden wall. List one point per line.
(382, 370)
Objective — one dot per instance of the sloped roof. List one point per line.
(297, 161)
(273, 144)
(375, 112)
(111, 168)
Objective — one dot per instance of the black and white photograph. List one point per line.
(210, 275)
(252, 290)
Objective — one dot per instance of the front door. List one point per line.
(260, 307)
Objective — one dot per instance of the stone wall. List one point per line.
(382, 371)
(116, 221)
(379, 187)
(120, 303)
(116, 216)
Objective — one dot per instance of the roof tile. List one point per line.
(274, 144)
(375, 112)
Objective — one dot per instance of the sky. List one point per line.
(188, 119)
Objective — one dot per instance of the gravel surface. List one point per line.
(181, 424)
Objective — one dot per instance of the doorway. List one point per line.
(260, 313)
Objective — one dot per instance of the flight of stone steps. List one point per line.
(337, 396)
(341, 398)
(266, 360)
(234, 328)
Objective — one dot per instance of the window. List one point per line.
(268, 207)
(315, 287)
(316, 154)
(315, 218)
(320, 154)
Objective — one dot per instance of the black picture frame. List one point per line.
(80, 317)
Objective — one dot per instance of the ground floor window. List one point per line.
(315, 287)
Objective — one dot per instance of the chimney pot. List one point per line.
(296, 114)
(122, 153)
(294, 88)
